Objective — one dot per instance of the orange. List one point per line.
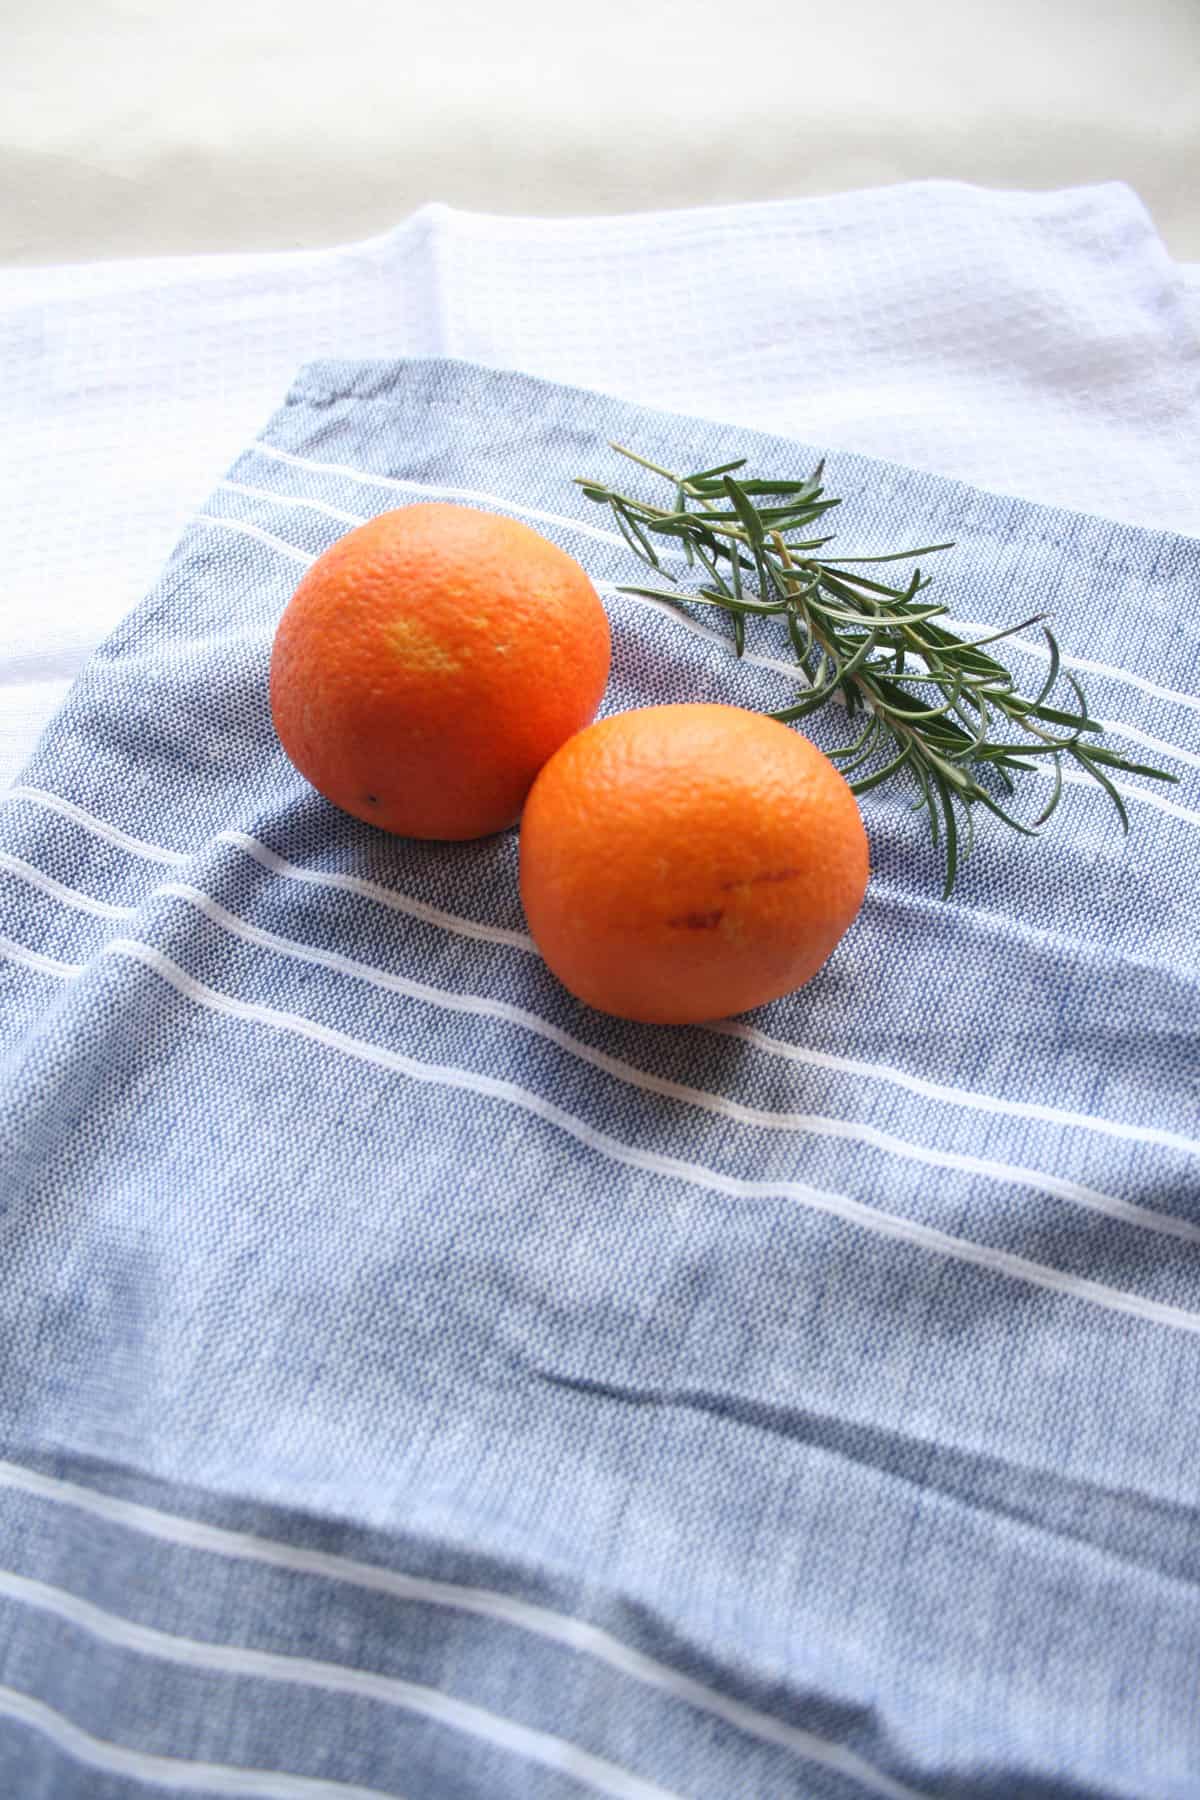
(682, 863)
(430, 662)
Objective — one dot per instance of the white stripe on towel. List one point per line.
(519, 940)
(855, 1212)
(813, 1124)
(1141, 795)
(540, 1747)
(498, 501)
(508, 1609)
(173, 1773)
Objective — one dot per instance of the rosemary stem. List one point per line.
(854, 639)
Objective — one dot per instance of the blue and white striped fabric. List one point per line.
(414, 1384)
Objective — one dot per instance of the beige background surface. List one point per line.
(135, 128)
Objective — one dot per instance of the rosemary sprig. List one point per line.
(931, 705)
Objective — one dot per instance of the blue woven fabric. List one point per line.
(413, 1383)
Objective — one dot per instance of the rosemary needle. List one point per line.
(927, 704)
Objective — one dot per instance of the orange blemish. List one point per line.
(698, 921)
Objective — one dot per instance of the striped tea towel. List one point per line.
(415, 1384)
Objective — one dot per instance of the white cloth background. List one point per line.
(134, 128)
(1040, 344)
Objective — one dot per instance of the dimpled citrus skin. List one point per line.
(430, 662)
(683, 863)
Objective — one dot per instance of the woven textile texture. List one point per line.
(416, 1384)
